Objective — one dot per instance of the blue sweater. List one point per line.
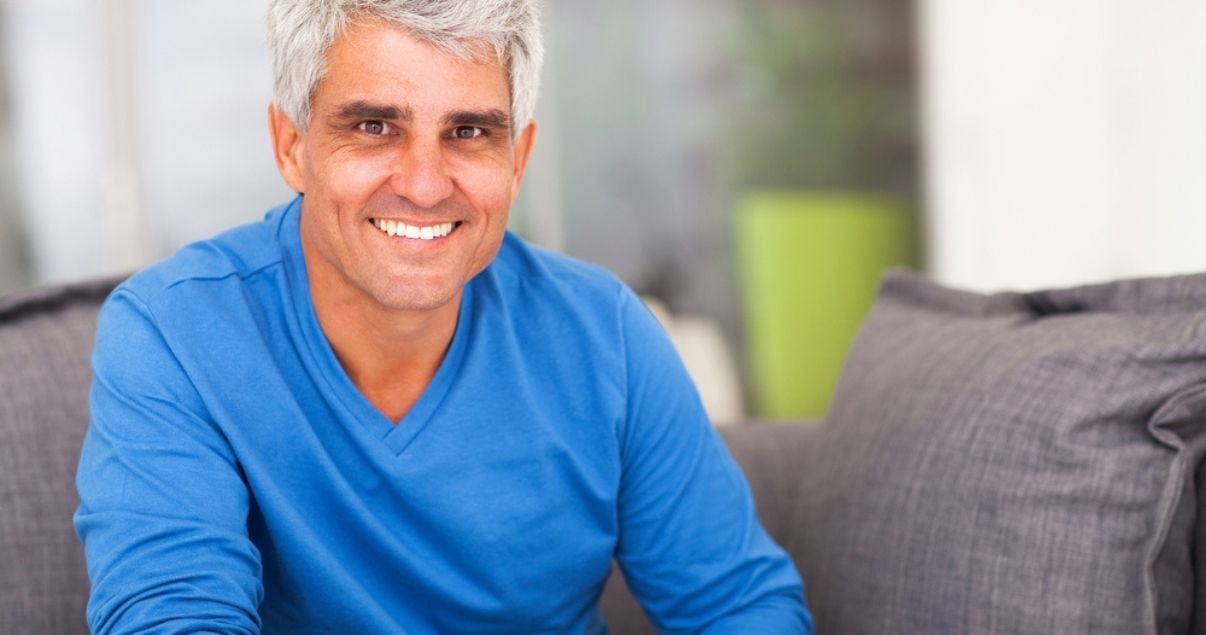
(233, 479)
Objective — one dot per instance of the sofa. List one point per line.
(1001, 463)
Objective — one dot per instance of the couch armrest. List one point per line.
(45, 343)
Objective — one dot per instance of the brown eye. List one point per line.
(375, 128)
(467, 132)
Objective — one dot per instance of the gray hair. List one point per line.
(301, 31)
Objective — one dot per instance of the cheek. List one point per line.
(491, 189)
(351, 181)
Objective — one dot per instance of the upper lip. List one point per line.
(419, 223)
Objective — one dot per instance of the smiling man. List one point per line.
(376, 410)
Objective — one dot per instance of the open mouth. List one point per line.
(419, 232)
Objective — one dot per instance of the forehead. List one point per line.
(379, 62)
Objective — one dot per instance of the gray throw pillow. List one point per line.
(1012, 463)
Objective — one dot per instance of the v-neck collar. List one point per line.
(322, 362)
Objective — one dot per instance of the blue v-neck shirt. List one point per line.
(233, 479)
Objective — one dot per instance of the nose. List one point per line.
(420, 174)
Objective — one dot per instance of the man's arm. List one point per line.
(163, 508)
(691, 546)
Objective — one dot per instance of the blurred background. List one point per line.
(749, 167)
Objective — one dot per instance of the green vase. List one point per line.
(809, 265)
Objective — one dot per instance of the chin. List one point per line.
(404, 297)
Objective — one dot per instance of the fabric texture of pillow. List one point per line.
(1013, 463)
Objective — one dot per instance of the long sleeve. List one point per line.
(691, 546)
(163, 507)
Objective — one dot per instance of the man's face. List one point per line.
(408, 170)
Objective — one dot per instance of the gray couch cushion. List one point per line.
(1199, 555)
(1012, 463)
(45, 342)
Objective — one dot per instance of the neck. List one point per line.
(390, 355)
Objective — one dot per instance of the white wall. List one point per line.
(1065, 139)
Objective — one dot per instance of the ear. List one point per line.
(523, 150)
(288, 145)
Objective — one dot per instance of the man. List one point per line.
(376, 410)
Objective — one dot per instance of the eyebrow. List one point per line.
(493, 118)
(368, 110)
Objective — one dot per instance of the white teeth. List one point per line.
(398, 228)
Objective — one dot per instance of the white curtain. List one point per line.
(138, 126)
